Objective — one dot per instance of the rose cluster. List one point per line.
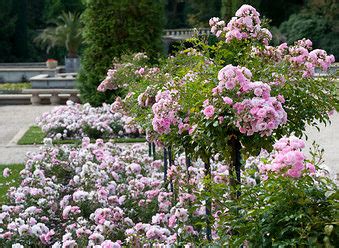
(287, 159)
(255, 110)
(244, 25)
(101, 195)
(108, 82)
(76, 121)
(259, 115)
(165, 111)
(300, 56)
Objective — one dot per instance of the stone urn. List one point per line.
(51, 63)
(72, 64)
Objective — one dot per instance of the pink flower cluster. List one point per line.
(287, 159)
(74, 120)
(100, 195)
(259, 115)
(165, 111)
(231, 76)
(147, 98)
(300, 56)
(108, 83)
(255, 110)
(6, 172)
(71, 197)
(245, 25)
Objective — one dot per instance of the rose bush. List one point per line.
(212, 107)
(75, 121)
(232, 97)
(100, 195)
(103, 196)
(238, 86)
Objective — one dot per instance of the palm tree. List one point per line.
(66, 32)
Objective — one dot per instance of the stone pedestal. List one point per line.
(35, 99)
(55, 99)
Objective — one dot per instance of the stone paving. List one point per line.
(15, 120)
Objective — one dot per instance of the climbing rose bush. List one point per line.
(75, 121)
(232, 85)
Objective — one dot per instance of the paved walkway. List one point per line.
(15, 120)
(328, 139)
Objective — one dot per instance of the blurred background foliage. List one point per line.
(22, 20)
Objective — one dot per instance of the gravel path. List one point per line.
(15, 120)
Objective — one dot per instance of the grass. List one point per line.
(12, 181)
(34, 135)
(15, 86)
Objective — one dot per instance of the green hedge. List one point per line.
(113, 28)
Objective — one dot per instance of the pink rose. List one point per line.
(6, 172)
(209, 111)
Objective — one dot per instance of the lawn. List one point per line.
(11, 181)
(34, 135)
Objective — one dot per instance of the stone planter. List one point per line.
(51, 64)
(72, 64)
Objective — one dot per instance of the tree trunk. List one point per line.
(235, 165)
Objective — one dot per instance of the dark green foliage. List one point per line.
(66, 33)
(20, 44)
(314, 27)
(300, 26)
(7, 24)
(20, 22)
(330, 42)
(285, 212)
(229, 7)
(200, 11)
(318, 21)
(278, 10)
(113, 28)
(54, 8)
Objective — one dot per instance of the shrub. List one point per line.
(113, 28)
(292, 205)
(75, 121)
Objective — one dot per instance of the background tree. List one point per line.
(54, 8)
(113, 28)
(176, 14)
(317, 20)
(20, 43)
(7, 24)
(66, 33)
(200, 11)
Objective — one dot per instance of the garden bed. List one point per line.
(14, 88)
(34, 136)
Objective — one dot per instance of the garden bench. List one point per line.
(54, 98)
